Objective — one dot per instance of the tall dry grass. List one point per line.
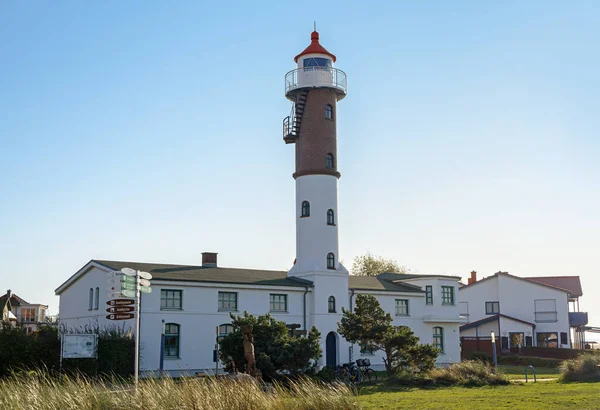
(586, 368)
(468, 373)
(42, 392)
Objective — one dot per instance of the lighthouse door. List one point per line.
(331, 350)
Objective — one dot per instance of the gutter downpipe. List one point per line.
(304, 308)
(351, 295)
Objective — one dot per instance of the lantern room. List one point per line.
(315, 70)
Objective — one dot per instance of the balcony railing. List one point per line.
(578, 319)
(316, 77)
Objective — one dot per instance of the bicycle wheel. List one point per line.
(370, 375)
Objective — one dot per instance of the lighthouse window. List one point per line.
(329, 161)
(330, 261)
(331, 304)
(305, 208)
(329, 112)
(330, 217)
(316, 63)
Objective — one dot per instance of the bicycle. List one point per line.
(366, 373)
(348, 372)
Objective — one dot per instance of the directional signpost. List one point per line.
(130, 283)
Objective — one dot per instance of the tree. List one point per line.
(371, 327)
(371, 265)
(274, 348)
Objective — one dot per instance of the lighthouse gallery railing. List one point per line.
(316, 77)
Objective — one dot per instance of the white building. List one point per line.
(191, 301)
(522, 312)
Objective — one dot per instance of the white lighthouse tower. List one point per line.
(314, 88)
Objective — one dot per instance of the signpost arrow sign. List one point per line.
(128, 293)
(128, 279)
(120, 316)
(120, 309)
(145, 275)
(145, 289)
(130, 286)
(128, 271)
(120, 302)
(144, 282)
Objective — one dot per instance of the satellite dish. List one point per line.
(128, 271)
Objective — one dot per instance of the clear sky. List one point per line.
(152, 131)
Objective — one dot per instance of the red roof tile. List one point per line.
(569, 283)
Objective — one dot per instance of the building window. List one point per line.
(277, 303)
(330, 217)
(528, 341)
(225, 329)
(564, 340)
(401, 307)
(438, 338)
(447, 295)
(331, 304)
(491, 308)
(329, 112)
(228, 301)
(547, 339)
(329, 161)
(171, 340)
(91, 299)
(330, 261)
(516, 339)
(97, 299)
(429, 295)
(545, 310)
(170, 299)
(305, 209)
(316, 63)
(28, 315)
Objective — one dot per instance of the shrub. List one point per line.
(529, 360)
(586, 368)
(327, 374)
(468, 373)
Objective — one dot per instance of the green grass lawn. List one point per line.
(518, 372)
(543, 395)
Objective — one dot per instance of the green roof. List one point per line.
(190, 273)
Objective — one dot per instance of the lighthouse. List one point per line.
(314, 87)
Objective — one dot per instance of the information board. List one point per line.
(79, 346)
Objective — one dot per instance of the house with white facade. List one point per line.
(520, 311)
(18, 311)
(192, 304)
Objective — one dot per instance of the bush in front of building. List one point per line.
(20, 351)
(481, 356)
(277, 352)
(469, 373)
(517, 360)
(585, 368)
(371, 327)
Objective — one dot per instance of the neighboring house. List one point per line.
(191, 302)
(520, 311)
(577, 319)
(17, 311)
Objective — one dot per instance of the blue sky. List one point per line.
(151, 131)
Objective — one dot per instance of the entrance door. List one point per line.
(331, 350)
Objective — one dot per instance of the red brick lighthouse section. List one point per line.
(314, 88)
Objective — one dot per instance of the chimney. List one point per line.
(9, 293)
(473, 277)
(209, 259)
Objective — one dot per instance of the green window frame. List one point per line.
(438, 338)
(429, 295)
(402, 307)
(172, 334)
(228, 301)
(171, 299)
(225, 329)
(278, 302)
(447, 295)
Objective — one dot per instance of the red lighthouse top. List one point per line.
(314, 48)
